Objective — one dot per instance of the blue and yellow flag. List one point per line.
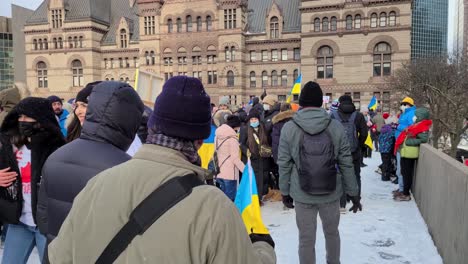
(207, 149)
(296, 89)
(373, 104)
(369, 141)
(248, 203)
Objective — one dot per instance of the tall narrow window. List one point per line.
(169, 25)
(60, 42)
(349, 22)
(146, 22)
(123, 39)
(112, 63)
(295, 75)
(153, 58)
(264, 55)
(106, 64)
(147, 57)
(189, 23)
(120, 63)
(325, 63)
(284, 78)
(274, 78)
(357, 21)
(297, 54)
(199, 24)
(81, 41)
(284, 54)
(373, 23)
(253, 80)
(383, 19)
(55, 43)
(153, 25)
(77, 72)
(46, 44)
(317, 25)
(209, 23)
(274, 28)
(392, 19)
(333, 24)
(41, 69)
(75, 41)
(264, 79)
(179, 25)
(227, 54)
(35, 44)
(325, 25)
(274, 55)
(70, 42)
(253, 55)
(40, 44)
(230, 78)
(382, 59)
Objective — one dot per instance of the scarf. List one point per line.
(186, 147)
(412, 132)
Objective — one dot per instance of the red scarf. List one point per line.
(412, 132)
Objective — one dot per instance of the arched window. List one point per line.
(373, 20)
(46, 44)
(70, 42)
(189, 23)
(357, 21)
(123, 39)
(383, 19)
(41, 69)
(284, 78)
(325, 63)
(333, 23)
(169, 26)
(153, 58)
(127, 80)
(264, 79)
(253, 80)
(392, 19)
(35, 44)
(295, 75)
(40, 44)
(81, 41)
(230, 78)
(274, 78)
(349, 22)
(325, 25)
(199, 24)
(60, 42)
(227, 54)
(54, 40)
(233, 53)
(179, 25)
(317, 25)
(147, 57)
(382, 59)
(75, 41)
(274, 28)
(77, 72)
(209, 23)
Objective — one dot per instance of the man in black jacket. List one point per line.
(113, 116)
(345, 111)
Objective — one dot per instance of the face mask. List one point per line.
(26, 129)
(266, 107)
(414, 119)
(255, 124)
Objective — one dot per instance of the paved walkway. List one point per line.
(386, 232)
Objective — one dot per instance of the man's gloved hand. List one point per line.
(356, 204)
(288, 201)
(262, 237)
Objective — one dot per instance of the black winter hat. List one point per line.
(233, 121)
(84, 94)
(253, 114)
(53, 98)
(37, 108)
(311, 95)
(182, 109)
(345, 98)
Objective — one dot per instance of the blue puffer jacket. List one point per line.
(406, 120)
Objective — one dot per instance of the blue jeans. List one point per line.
(229, 187)
(401, 186)
(19, 243)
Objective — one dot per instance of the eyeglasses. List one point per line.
(405, 104)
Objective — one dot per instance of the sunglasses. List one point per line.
(405, 104)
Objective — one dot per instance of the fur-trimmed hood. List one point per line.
(283, 116)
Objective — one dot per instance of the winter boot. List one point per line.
(402, 198)
(385, 177)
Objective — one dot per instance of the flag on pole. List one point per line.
(296, 89)
(248, 203)
(373, 104)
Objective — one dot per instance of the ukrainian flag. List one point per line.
(296, 89)
(369, 141)
(207, 149)
(248, 203)
(373, 104)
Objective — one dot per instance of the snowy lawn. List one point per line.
(385, 232)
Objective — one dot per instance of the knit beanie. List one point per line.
(182, 109)
(84, 94)
(385, 115)
(233, 121)
(270, 100)
(53, 98)
(345, 98)
(253, 114)
(311, 95)
(37, 108)
(224, 100)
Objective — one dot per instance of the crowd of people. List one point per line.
(80, 186)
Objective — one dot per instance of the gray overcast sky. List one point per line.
(5, 5)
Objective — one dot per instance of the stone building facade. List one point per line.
(236, 47)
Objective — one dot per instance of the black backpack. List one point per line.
(350, 129)
(317, 170)
(216, 168)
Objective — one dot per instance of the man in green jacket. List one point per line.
(315, 121)
(204, 227)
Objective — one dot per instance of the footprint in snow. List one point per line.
(388, 256)
(370, 229)
(273, 225)
(381, 243)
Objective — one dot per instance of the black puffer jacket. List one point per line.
(345, 110)
(112, 119)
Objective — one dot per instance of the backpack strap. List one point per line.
(149, 211)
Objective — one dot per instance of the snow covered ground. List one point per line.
(385, 232)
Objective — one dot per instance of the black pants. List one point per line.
(357, 172)
(387, 165)
(407, 170)
(261, 168)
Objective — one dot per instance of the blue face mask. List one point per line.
(255, 124)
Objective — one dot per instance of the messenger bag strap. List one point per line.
(147, 212)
